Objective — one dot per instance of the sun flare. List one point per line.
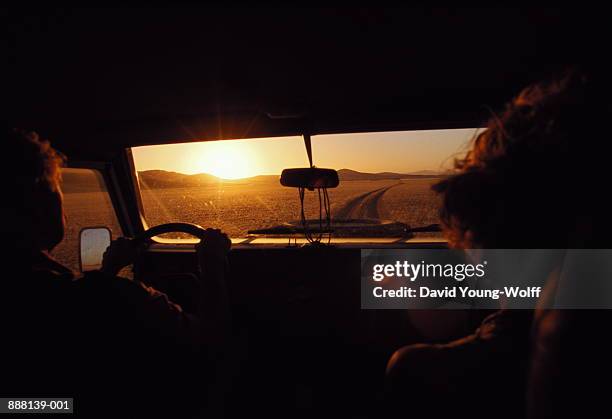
(226, 161)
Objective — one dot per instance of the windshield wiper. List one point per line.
(285, 229)
(425, 229)
(349, 228)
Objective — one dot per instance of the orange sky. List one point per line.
(403, 151)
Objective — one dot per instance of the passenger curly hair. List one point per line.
(533, 175)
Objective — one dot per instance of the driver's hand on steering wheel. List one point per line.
(121, 253)
(213, 247)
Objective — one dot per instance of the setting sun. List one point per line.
(226, 161)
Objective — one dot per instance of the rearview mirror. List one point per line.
(310, 178)
(93, 242)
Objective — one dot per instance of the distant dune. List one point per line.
(348, 174)
(160, 179)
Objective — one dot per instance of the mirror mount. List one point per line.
(308, 144)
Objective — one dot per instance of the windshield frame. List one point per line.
(255, 241)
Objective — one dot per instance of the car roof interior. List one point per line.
(133, 77)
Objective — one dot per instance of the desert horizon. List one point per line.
(158, 178)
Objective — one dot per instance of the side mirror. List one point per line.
(93, 242)
(310, 178)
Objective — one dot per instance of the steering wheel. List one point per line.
(180, 286)
(188, 228)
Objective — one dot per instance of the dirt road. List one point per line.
(363, 206)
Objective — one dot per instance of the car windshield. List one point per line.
(384, 191)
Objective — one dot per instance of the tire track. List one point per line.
(364, 205)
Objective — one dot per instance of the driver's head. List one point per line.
(32, 214)
(537, 176)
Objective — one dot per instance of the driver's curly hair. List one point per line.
(534, 173)
(36, 167)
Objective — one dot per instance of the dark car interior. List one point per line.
(100, 81)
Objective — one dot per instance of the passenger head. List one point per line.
(537, 175)
(32, 214)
